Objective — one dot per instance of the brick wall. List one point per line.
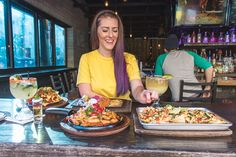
(77, 35)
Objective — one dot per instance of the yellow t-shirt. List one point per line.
(98, 71)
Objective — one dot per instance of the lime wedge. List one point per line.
(168, 76)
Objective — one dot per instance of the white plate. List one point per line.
(184, 126)
(64, 99)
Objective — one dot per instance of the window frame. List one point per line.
(36, 13)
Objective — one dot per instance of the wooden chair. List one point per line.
(70, 80)
(199, 98)
(57, 84)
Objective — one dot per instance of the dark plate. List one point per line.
(66, 127)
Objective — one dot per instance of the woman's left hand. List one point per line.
(147, 96)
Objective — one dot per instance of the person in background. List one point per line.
(180, 64)
(107, 70)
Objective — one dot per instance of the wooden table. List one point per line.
(50, 140)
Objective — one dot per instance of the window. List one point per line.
(60, 45)
(23, 39)
(45, 42)
(3, 53)
(30, 38)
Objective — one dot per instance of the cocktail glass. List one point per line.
(157, 83)
(23, 88)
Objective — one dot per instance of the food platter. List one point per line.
(124, 105)
(95, 131)
(184, 126)
(62, 103)
(95, 128)
(116, 103)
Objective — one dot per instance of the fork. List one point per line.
(156, 103)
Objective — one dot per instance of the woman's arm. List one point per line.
(85, 89)
(140, 94)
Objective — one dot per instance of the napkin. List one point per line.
(22, 122)
(2, 116)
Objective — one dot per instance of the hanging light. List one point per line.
(116, 12)
(130, 29)
(106, 3)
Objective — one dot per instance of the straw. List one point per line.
(28, 75)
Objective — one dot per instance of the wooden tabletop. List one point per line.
(50, 140)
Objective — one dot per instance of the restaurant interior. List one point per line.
(45, 39)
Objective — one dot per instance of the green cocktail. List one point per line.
(23, 88)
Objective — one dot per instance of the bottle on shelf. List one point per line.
(213, 38)
(233, 37)
(205, 38)
(220, 55)
(193, 37)
(182, 39)
(226, 53)
(204, 55)
(232, 61)
(213, 59)
(199, 36)
(230, 54)
(219, 62)
(227, 39)
(189, 39)
(209, 56)
(221, 38)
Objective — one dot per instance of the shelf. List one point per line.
(209, 44)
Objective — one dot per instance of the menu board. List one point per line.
(200, 12)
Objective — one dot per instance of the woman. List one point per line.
(107, 70)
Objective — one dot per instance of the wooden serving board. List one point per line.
(125, 108)
(175, 133)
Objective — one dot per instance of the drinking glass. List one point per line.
(157, 83)
(23, 88)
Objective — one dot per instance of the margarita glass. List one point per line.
(157, 83)
(23, 88)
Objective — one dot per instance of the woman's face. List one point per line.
(107, 33)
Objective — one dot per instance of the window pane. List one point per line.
(23, 39)
(3, 54)
(45, 38)
(60, 45)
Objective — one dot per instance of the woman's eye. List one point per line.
(105, 30)
(115, 30)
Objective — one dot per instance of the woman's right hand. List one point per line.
(148, 96)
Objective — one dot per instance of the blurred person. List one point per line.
(107, 70)
(180, 64)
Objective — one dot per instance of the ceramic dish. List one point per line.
(96, 133)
